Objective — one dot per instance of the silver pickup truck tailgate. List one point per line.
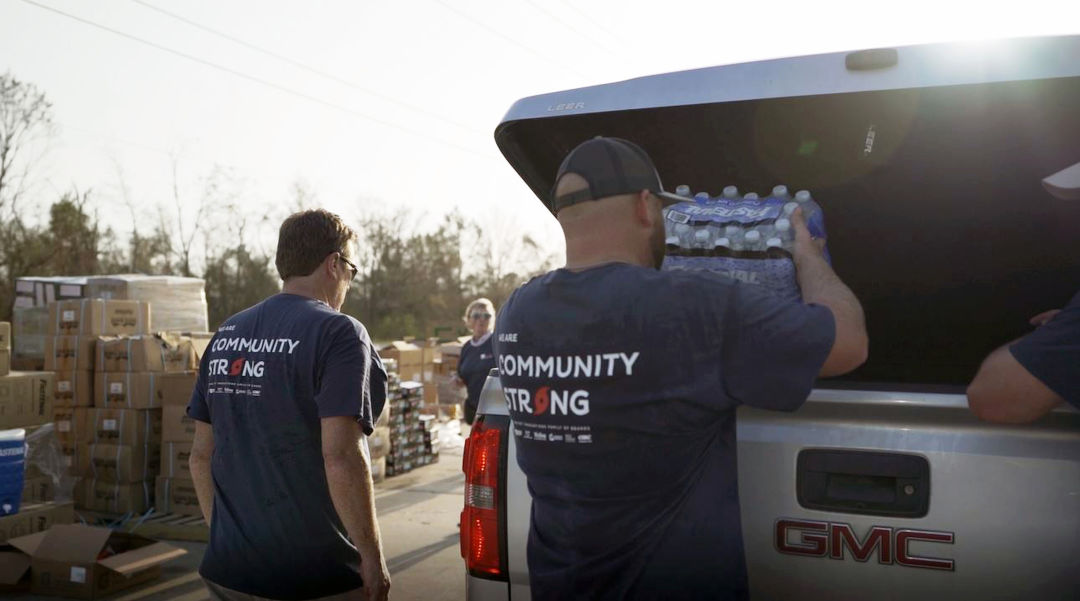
(1003, 511)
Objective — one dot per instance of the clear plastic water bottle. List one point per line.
(774, 247)
(672, 244)
(751, 196)
(782, 230)
(790, 207)
(722, 247)
(780, 192)
(731, 192)
(752, 240)
(702, 197)
(815, 219)
(684, 232)
(703, 239)
(683, 190)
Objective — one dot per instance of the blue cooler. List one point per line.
(12, 469)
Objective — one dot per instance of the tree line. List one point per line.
(411, 283)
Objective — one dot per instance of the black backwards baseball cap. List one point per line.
(611, 166)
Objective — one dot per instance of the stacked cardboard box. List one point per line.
(30, 315)
(409, 358)
(5, 348)
(113, 451)
(179, 303)
(379, 441)
(26, 399)
(409, 430)
(175, 487)
(451, 395)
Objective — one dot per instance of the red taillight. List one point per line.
(480, 518)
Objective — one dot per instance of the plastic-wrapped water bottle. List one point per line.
(703, 239)
(701, 196)
(782, 230)
(790, 207)
(731, 192)
(752, 240)
(672, 244)
(722, 247)
(815, 219)
(780, 192)
(683, 232)
(683, 190)
(751, 196)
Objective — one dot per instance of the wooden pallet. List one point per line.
(162, 526)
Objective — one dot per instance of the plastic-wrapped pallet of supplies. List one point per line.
(45, 459)
(178, 304)
(12, 469)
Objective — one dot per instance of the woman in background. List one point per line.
(477, 355)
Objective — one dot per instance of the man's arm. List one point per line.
(1004, 391)
(348, 475)
(202, 451)
(820, 285)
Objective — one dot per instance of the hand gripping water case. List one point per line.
(743, 237)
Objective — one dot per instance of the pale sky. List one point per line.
(410, 92)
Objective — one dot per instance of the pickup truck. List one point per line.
(949, 176)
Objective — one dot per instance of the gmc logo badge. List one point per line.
(834, 540)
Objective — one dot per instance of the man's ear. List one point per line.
(642, 212)
(328, 265)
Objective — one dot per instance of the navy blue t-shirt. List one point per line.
(622, 384)
(1052, 352)
(474, 364)
(267, 378)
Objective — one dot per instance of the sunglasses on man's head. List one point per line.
(479, 315)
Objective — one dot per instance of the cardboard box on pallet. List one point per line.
(5, 348)
(95, 316)
(71, 425)
(176, 495)
(29, 328)
(163, 352)
(84, 562)
(176, 425)
(124, 426)
(26, 399)
(146, 390)
(175, 458)
(112, 497)
(123, 464)
(70, 353)
(409, 357)
(74, 389)
(35, 518)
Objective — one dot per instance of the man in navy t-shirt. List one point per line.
(287, 391)
(622, 383)
(1025, 379)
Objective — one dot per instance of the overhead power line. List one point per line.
(502, 35)
(303, 66)
(258, 80)
(584, 35)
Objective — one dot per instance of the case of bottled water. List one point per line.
(741, 236)
(12, 469)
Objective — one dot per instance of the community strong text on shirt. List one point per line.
(555, 399)
(248, 365)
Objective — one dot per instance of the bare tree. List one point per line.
(25, 118)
